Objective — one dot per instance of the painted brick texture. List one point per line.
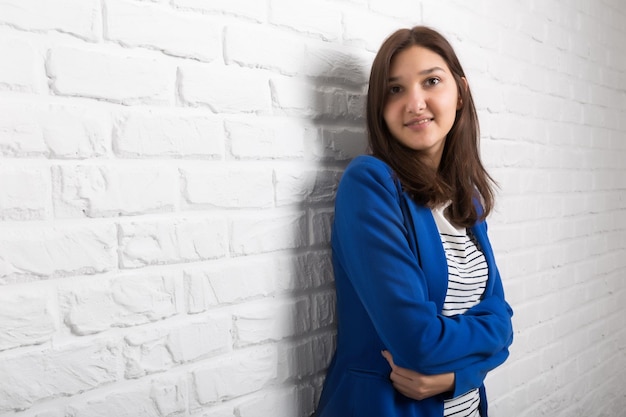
(167, 176)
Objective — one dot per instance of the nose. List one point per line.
(416, 101)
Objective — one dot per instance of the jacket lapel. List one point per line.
(430, 253)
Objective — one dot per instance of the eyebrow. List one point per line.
(422, 72)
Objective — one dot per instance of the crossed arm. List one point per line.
(426, 347)
(415, 385)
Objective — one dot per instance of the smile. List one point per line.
(418, 122)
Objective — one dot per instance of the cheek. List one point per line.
(449, 105)
(390, 113)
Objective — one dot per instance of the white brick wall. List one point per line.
(167, 175)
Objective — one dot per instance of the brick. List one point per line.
(345, 65)
(262, 139)
(310, 17)
(511, 154)
(321, 226)
(181, 39)
(305, 357)
(24, 192)
(271, 321)
(234, 376)
(402, 9)
(157, 398)
(227, 186)
(146, 353)
(34, 376)
(157, 350)
(323, 310)
(247, 46)
(341, 144)
(134, 402)
(507, 126)
(294, 96)
(225, 89)
(487, 94)
(110, 75)
(216, 410)
(267, 232)
(156, 133)
(183, 240)
(201, 339)
(297, 97)
(356, 106)
(170, 396)
(518, 101)
(39, 252)
(368, 30)
(475, 47)
(293, 272)
(53, 130)
(46, 413)
(199, 295)
(22, 69)
(75, 131)
(21, 134)
(311, 270)
(251, 9)
(27, 316)
(104, 191)
(320, 272)
(286, 402)
(121, 302)
(546, 56)
(294, 186)
(228, 282)
(84, 21)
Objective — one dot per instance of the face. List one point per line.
(422, 101)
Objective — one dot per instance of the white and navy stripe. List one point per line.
(467, 279)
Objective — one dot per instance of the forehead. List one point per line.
(415, 59)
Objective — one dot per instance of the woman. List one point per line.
(421, 311)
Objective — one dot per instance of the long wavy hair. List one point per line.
(461, 177)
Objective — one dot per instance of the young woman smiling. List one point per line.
(421, 311)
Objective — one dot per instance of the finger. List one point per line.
(407, 373)
(399, 378)
(395, 378)
(408, 392)
(389, 358)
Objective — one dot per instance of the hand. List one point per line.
(415, 385)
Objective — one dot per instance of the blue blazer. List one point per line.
(391, 278)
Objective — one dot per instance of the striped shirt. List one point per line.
(467, 279)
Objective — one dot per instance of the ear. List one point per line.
(465, 87)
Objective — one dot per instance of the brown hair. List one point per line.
(461, 176)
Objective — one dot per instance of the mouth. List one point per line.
(419, 122)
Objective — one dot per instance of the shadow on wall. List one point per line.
(334, 105)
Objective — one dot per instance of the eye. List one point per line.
(394, 89)
(432, 81)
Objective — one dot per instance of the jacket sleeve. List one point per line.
(473, 375)
(370, 244)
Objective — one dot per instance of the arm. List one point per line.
(415, 385)
(370, 244)
(474, 375)
(420, 386)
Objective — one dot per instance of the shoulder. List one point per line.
(367, 183)
(367, 167)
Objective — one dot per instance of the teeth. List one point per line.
(420, 122)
